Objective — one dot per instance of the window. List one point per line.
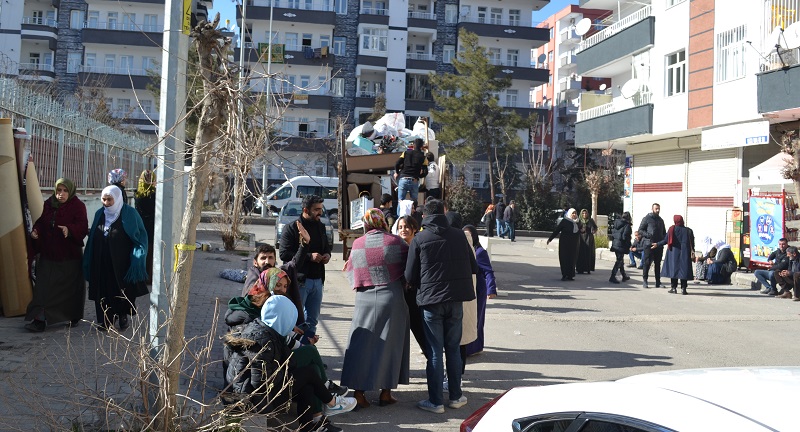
(511, 98)
(340, 6)
(150, 23)
(90, 62)
(51, 18)
(448, 52)
(37, 17)
(126, 64)
(374, 39)
(94, 20)
(418, 87)
(123, 107)
(33, 59)
(282, 193)
(324, 40)
(676, 73)
(497, 16)
(113, 19)
(307, 38)
(110, 63)
(291, 40)
(74, 62)
(512, 57)
(482, 12)
(365, 89)
(147, 106)
(76, 19)
(550, 57)
(319, 170)
(148, 63)
(305, 83)
(730, 54)
(337, 87)
(451, 14)
(47, 59)
(514, 17)
(339, 44)
(494, 56)
(129, 21)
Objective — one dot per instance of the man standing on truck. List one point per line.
(311, 274)
(410, 167)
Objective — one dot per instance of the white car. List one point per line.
(724, 399)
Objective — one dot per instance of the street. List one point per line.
(540, 331)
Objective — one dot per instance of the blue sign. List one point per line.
(766, 226)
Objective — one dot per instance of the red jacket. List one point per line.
(51, 243)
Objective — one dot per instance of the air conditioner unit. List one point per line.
(572, 21)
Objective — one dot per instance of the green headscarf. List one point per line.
(70, 189)
(147, 184)
(583, 220)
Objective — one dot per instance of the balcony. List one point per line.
(569, 85)
(36, 71)
(567, 112)
(523, 108)
(114, 33)
(620, 118)
(426, 20)
(312, 99)
(114, 77)
(630, 35)
(505, 28)
(775, 93)
(518, 71)
(566, 137)
(40, 21)
(569, 37)
(366, 99)
(567, 63)
(294, 11)
(422, 61)
(294, 54)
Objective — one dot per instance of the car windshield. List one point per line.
(295, 208)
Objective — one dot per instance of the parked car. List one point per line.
(290, 212)
(300, 186)
(724, 399)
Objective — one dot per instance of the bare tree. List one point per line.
(790, 144)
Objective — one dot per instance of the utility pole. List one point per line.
(170, 154)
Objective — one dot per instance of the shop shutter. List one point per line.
(658, 178)
(711, 190)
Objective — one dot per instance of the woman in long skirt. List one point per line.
(567, 230)
(678, 258)
(377, 355)
(60, 291)
(586, 253)
(115, 260)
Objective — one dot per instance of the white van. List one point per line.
(301, 186)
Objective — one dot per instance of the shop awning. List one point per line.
(769, 171)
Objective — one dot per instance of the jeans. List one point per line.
(510, 229)
(311, 295)
(501, 232)
(407, 185)
(763, 275)
(635, 255)
(443, 333)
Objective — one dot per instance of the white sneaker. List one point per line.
(341, 405)
(460, 402)
(445, 385)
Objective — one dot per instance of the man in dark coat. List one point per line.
(311, 274)
(788, 278)
(778, 261)
(508, 216)
(621, 243)
(437, 258)
(653, 231)
(409, 168)
(499, 217)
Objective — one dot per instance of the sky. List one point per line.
(227, 10)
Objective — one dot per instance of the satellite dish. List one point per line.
(791, 36)
(775, 39)
(603, 87)
(630, 88)
(542, 58)
(583, 26)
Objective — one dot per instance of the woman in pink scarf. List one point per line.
(678, 257)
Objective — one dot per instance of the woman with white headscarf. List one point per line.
(568, 236)
(114, 262)
(721, 267)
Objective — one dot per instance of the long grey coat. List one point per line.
(678, 260)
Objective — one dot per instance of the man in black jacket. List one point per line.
(311, 274)
(499, 217)
(779, 261)
(653, 231)
(409, 168)
(437, 258)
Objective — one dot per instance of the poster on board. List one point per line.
(766, 227)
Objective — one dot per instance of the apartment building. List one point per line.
(341, 55)
(685, 100)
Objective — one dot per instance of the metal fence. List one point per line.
(66, 143)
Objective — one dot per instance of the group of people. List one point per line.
(116, 262)
(576, 251)
(500, 218)
(431, 280)
(782, 278)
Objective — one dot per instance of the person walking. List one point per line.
(499, 215)
(586, 253)
(509, 215)
(653, 231)
(409, 168)
(488, 220)
(60, 291)
(485, 287)
(145, 203)
(115, 260)
(377, 354)
(311, 274)
(678, 260)
(620, 245)
(440, 266)
(568, 238)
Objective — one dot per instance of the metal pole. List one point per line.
(60, 160)
(170, 151)
(85, 180)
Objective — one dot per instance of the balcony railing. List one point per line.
(420, 56)
(516, 104)
(422, 15)
(374, 11)
(615, 28)
(112, 25)
(316, 5)
(569, 84)
(509, 63)
(113, 70)
(36, 67)
(569, 36)
(40, 21)
(474, 18)
(641, 98)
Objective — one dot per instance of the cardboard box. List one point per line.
(352, 192)
(377, 163)
(362, 178)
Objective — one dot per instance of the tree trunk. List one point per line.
(491, 174)
(207, 40)
(594, 194)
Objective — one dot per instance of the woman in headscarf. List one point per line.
(586, 253)
(567, 230)
(407, 228)
(145, 202)
(485, 286)
(377, 355)
(678, 258)
(119, 178)
(60, 291)
(722, 266)
(115, 260)
(620, 245)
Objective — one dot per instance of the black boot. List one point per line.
(683, 291)
(625, 276)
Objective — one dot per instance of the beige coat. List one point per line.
(469, 324)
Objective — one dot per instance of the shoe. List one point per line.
(426, 405)
(124, 322)
(341, 404)
(626, 278)
(644, 285)
(588, 272)
(640, 267)
(631, 266)
(772, 292)
(570, 278)
(658, 284)
(323, 425)
(563, 278)
(446, 385)
(796, 299)
(386, 398)
(456, 404)
(36, 326)
(672, 291)
(764, 290)
(683, 291)
(335, 389)
(361, 399)
(613, 280)
(786, 295)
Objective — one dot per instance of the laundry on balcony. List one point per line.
(308, 52)
(321, 52)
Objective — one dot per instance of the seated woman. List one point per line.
(722, 266)
(701, 265)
